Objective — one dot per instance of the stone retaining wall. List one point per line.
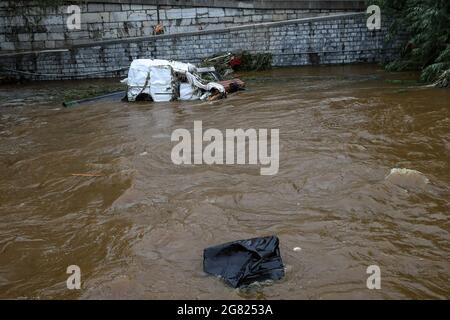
(334, 39)
(33, 28)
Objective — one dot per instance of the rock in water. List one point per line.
(407, 178)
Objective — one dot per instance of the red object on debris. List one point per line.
(235, 61)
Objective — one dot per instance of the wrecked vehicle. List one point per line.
(163, 80)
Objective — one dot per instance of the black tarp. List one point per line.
(242, 262)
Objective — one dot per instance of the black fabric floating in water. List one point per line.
(242, 262)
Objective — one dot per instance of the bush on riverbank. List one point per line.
(428, 48)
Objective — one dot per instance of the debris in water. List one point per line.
(297, 249)
(226, 63)
(86, 175)
(74, 103)
(443, 80)
(239, 263)
(407, 178)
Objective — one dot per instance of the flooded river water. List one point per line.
(138, 229)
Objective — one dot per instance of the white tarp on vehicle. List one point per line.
(160, 79)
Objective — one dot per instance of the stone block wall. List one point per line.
(337, 39)
(31, 27)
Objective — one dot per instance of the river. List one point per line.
(138, 228)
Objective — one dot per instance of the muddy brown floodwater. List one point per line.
(139, 229)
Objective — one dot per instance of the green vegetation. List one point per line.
(257, 61)
(428, 24)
